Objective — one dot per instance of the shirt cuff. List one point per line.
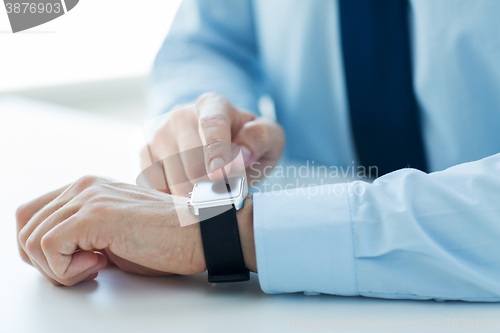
(304, 242)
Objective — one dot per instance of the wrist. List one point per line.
(245, 227)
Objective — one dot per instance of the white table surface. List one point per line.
(43, 147)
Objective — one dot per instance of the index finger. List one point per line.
(214, 119)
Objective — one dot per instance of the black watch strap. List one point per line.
(221, 242)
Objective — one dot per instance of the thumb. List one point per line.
(260, 139)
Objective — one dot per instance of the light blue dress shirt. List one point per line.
(407, 235)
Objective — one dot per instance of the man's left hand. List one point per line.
(70, 234)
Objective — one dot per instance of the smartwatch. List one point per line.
(216, 203)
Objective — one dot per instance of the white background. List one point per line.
(97, 40)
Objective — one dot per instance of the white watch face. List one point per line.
(209, 191)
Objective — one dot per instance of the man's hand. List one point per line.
(71, 233)
(214, 123)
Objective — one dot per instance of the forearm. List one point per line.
(407, 235)
(432, 235)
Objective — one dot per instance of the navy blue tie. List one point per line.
(384, 114)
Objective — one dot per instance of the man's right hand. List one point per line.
(213, 124)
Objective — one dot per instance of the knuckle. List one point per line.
(216, 120)
(213, 143)
(92, 192)
(260, 133)
(31, 246)
(175, 115)
(86, 181)
(95, 201)
(185, 115)
(46, 242)
(215, 147)
(23, 236)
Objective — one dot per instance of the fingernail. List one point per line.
(246, 153)
(216, 164)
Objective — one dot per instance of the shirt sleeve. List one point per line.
(407, 235)
(210, 48)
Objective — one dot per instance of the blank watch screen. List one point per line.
(218, 190)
